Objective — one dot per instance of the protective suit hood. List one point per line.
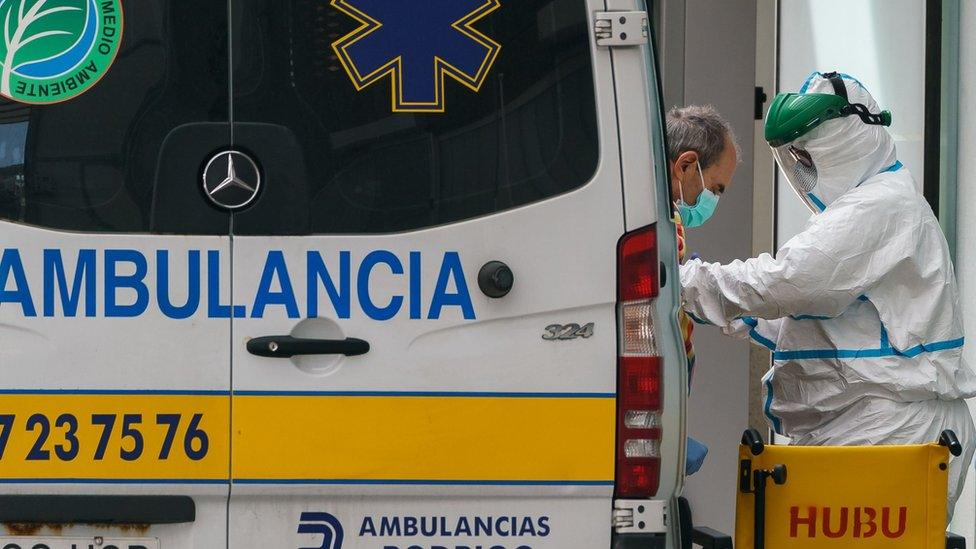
(844, 152)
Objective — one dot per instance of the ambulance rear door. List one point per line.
(425, 345)
(114, 276)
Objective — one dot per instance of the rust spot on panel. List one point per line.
(22, 529)
(126, 528)
(35, 528)
(31, 528)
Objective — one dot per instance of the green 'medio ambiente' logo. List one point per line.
(55, 50)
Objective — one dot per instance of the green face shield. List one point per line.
(793, 115)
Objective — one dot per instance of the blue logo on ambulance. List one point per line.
(324, 524)
(417, 45)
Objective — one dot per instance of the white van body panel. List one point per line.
(60, 362)
(365, 518)
(498, 358)
(462, 427)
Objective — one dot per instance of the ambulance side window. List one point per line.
(527, 135)
(90, 163)
(126, 155)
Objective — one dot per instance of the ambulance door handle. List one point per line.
(287, 346)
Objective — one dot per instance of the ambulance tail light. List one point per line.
(638, 467)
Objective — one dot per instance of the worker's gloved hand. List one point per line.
(695, 456)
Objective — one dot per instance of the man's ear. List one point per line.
(685, 164)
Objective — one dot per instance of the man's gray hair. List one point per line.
(698, 128)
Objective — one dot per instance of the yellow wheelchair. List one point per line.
(823, 497)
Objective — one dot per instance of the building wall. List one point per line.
(719, 69)
(963, 522)
(882, 44)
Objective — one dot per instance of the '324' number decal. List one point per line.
(555, 332)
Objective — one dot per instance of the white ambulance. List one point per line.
(359, 274)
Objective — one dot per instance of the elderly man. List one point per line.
(702, 157)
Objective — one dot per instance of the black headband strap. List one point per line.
(838, 83)
(857, 109)
(865, 115)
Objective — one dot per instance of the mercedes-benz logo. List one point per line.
(231, 180)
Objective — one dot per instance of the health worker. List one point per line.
(861, 309)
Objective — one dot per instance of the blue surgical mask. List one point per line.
(697, 214)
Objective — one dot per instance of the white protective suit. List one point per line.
(860, 310)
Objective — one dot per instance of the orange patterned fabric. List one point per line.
(686, 325)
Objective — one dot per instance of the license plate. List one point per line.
(29, 542)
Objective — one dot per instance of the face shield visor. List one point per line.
(792, 116)
(798, 167)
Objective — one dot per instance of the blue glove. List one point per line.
(695, 456)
